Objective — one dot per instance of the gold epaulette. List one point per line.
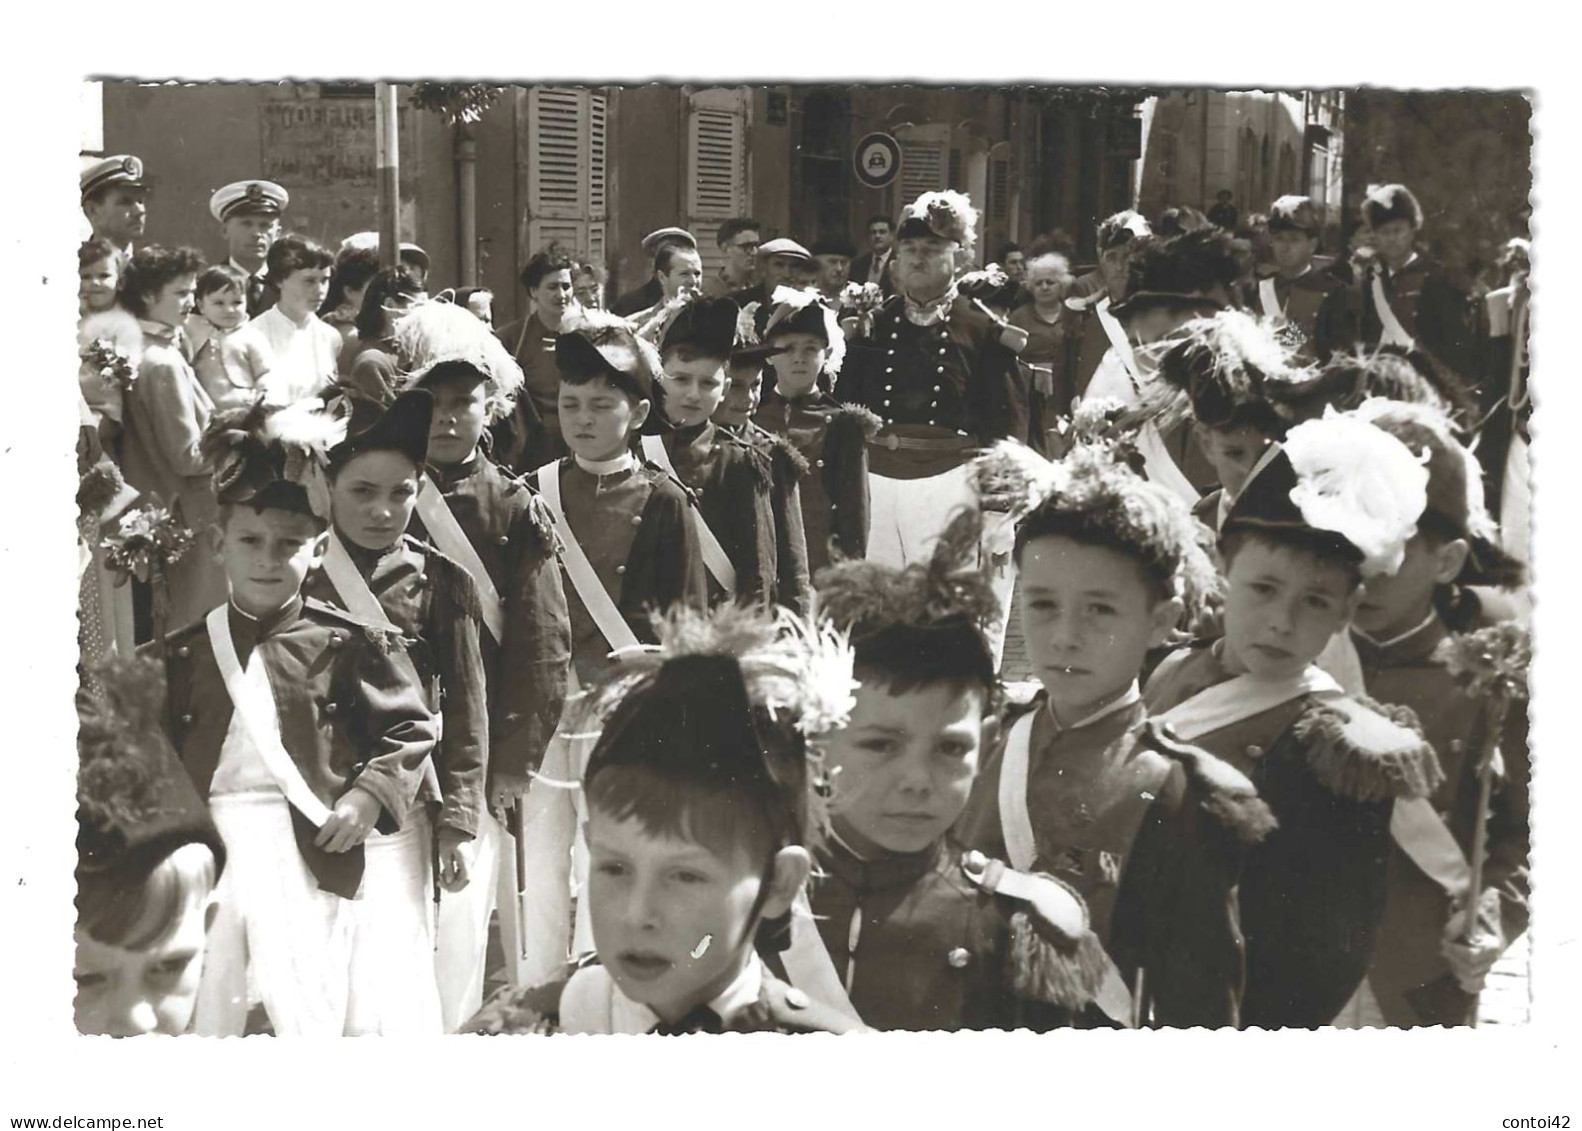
(1367, 751)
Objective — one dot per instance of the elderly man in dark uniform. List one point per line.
(937, 374)
(1295, 290)
(114, 200)
(249, 213)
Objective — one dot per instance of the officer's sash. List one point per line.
(453, 542)
(808, 965)
(1157, 460)
(253, 703)
(1016, 828)
(1394, 333)
(714, 555)
(1242, 697)
(595, 597)
(1269, 298)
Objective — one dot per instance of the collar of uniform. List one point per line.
(366, 560)
(1415, 643)
(932, 312)
(745, 989)
(247, 630)
(1129, 697)
(448, 477)
(258, 274)
(886, 870)
(693, 434)
(626, 461)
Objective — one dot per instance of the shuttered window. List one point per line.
(924, 160)
(716, 166)
(999, 190)
(566, 182)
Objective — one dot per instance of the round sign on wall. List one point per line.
(877, 160)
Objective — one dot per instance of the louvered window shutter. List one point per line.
(566, 142)
(716, 167)
(999, 190)
(924, 161)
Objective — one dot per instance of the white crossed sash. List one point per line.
(1159, 463)
(453, 542)
(595, 597)
(1242, 697)
(1394, 333)
(714, 555)
(1269, 298)
(253, 703)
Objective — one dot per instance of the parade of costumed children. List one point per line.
(702, 726)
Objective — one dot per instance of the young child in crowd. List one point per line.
(832, 437)
(497, 528)
(630, 550)
(1422, 972)
(1151, 833)
(744, 379)
(730, 480)
(307, 731)
(1333, 506)
(703, 806)
(148, 858)
(382, 575)
(923, 935)
(229, 355)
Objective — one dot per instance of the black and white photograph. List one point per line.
(1043, 564)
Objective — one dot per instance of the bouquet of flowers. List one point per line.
(147, 540)
(859, 301)
(111, 362)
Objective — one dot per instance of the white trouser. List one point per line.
(323, 965)
(907, 516)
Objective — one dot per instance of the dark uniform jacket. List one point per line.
(1300, 300)
(1152, 833)
(953, 379)
(641, 298)
(793, 584)
(832, 439)
(1086, 341)
(731, 483)
(779, 1009)
(434, 604)
(1427, 306)
(1409, 976)
(513, 534)
(350, 705)
(920, 947)
(634, 528)
(1312, 893)
(530, 436)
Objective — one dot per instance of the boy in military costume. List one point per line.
(308, 732)
(1333, 505)
(1097, 292)
(630, 551)
(1294, 289)
(704, 802)
(943, 384)
(729, 479)
(1149, 831)
(922, 934)
(1422, 972)
(832, 438)
(497, 528)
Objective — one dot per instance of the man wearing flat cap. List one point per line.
(1294, 291)
(249, 214)
(781, 263)
(114, 200)
(652, 292)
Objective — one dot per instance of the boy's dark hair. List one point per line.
(666, 255)
(622, 383)
(1193, 262)
(389, 283)
(949, 653)
(221, 277)
(96, 249)
(1005, 252)
(1104, 528)
(541, 265)
(150, 269)
(295, 253)
(353, 268)
(1328, 548)
(735, 226)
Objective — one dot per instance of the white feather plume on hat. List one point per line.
(1360, 482)
(949, 214)
(787, 301)
(438, 332)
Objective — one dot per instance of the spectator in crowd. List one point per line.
(306, 349)
(1047, 323)
(415, 258)
(833, 255)
(354, 269)
(228, 353)
(587, 286)
(249, 212)
(375, 365)
(1223, 213)
(739, 240)
(166, 412)
(115, 200)
(1014, 260)
(98, 273)
(781, 263)
(873, 265)
(477, 301)
(100, 317)
(652, 292)
(530, 437)
(679, 273)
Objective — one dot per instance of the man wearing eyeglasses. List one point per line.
(739, 239)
